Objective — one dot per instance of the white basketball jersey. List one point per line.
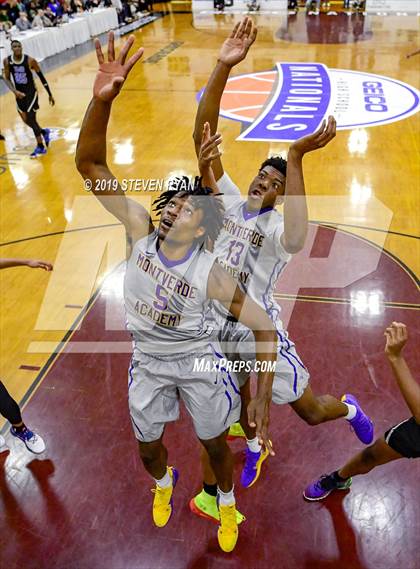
(166, 300)
(249, 248)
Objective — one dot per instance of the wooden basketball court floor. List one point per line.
(85, 503)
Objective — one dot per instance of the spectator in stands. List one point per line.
(22, 23)
(13, 10)
(5, 23)
(41, 21)
(31, 9)
(55, 8)
(50, 15)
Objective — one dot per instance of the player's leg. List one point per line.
(153, 401)
(204, 504)
(363, 462)
(401, 441)
(212, 399)
(238, 344)
(37, 130)
(322, 408)
(11, 411)
(291, 385)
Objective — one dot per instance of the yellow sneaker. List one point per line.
(162, 502)
(227, 534)
(235, 432)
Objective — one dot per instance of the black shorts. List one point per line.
(29, 103)
(405, 438)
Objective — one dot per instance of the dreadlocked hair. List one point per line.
(276, 162)
(202, 198)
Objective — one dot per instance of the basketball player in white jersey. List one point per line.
(254, 246)
(169, 280)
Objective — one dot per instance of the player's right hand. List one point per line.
(396, 338)
(209, 148)
(113, 73)
(19, 95)
(235, 48)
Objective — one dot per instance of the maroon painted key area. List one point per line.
(86, 503)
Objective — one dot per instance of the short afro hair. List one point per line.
(202, 198)
(276, 162)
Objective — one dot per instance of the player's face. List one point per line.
(180, 222)
(17, 50)
(265, 189)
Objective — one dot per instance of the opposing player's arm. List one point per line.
(91, 147)
(33, 64)
(396, 338)
(222, 287)
(233, 51)
(295, 206)
(32, 263)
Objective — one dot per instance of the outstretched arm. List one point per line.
(295, 208)
(91, 147)
(222, 287)
(32, 263)
(396, 337)
(233, 51)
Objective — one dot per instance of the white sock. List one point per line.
(352, 411)
(164, 482)
(253, 445)
(226, 498)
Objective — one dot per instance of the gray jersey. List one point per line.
(165, 300)
(249, 248)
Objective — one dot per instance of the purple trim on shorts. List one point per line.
(130, 369)
(168, 263)
(250, 214)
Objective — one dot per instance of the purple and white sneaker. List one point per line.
(33, 442)
(319, 489)
(361, 423)
(252, 467)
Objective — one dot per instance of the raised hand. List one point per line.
(209, 148)
(235, 48)
(35, 264)
(318, 139)
(112, 73)
(396, 337)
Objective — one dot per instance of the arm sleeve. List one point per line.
(44, 82)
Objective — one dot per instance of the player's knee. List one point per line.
(216, 448)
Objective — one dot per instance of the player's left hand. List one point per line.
(36, 264)
(318, 139)
(236, 47)
(259, 417)
(113, 73)
(51, 100)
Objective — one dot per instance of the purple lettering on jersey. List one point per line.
(163, 299)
